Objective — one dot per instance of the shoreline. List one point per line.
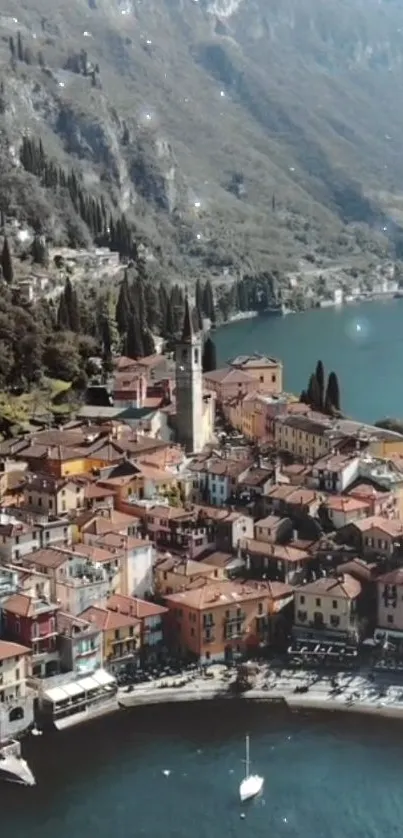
(376, 297)
(291, 702)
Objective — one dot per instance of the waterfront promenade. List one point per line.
(380, 694)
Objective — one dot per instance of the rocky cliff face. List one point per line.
(160, 107)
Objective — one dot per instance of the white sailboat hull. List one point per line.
(250, 787)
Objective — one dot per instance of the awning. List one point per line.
(88, 684)
(103, 678)
(73, 689)
(56, 695)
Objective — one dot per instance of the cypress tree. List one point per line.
(123, 307)
(209, 356)
(320, 377)
(70, 296)
(134, 343)
(6, 262)
(313, 392)
(20, 48)
(332, 400)
(208, 302)
(148, 343)
(62, 317)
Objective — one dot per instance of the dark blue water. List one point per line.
(363, 343)
(331, 776)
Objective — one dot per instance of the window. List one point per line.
(317, 602)
(17, 674)
(273, 378)
(334, 621)
(196, 356)
(390, 618)
(260, 608)
(116, 634)
(261, 379)
(302, 599)
(301, 616)
(334, 603)
(30, 500)
(192, 632)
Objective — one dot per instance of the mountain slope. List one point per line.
(244, 134)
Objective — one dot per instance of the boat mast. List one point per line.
(247, 757)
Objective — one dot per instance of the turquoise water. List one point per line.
(330, 776)
(363, 343)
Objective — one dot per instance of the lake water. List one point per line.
(335, 776)
(362, 343)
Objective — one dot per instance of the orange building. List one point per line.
(219, 620)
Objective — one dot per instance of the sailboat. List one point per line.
(252, 784)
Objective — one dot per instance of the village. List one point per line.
(193, 521)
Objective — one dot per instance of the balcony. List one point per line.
(237, 618)
(210, 639)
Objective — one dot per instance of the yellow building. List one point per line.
(268, 372)
(302, 436)
(328, 605)
(15, 667)
(51, 495)
(121, 636)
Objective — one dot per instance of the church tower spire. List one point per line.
(189, 386)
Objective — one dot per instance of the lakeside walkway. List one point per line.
(381, 694)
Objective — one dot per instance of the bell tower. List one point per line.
(189, 387)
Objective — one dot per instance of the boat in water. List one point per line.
(252, 784)
(13, 768)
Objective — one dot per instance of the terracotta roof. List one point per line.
(26, 606)
(343, 586)
(106, 620)
(219, 559)
(280, 491)
(185, 567)
(93, 491)
(270, 522)
(70, 625)
(394, 577)
(278, 552)
(343, 503)
(50, 558)
(227, 375)
(335, 462)
(256, 477)
(390, 527)
(227, 468)
(93, 552)
(12, 650)
(135, 607)
(116, 541)
(227, 593)
(302, 497)
(359, 569)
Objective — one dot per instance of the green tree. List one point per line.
(313, 392)
(332, 399)
(320, 377)
(209, 355)
(6, 262)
